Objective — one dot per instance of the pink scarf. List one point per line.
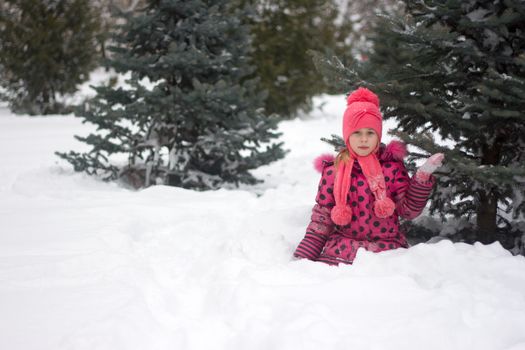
(362, 111)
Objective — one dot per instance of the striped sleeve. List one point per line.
(316, 234)
(411, 196)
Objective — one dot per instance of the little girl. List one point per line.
(362, 193)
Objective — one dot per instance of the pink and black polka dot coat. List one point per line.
(324, 241)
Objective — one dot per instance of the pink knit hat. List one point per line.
(362, 111)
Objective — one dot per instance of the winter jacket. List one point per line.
(324, 241)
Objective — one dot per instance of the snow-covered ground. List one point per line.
(90, 265)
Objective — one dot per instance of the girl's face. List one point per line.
(363, 141)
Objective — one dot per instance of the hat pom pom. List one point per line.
(341, 215)
(384, 208)
(362, 95)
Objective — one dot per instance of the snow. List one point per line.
(90, 265)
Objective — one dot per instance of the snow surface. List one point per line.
(90, 265)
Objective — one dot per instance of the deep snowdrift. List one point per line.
(90, 265)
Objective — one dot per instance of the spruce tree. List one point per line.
(457, 68)
(189, 117)
(283, 33)
(47, 47)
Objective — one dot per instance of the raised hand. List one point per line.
(430, 165)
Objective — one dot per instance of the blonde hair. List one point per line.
(343, 156)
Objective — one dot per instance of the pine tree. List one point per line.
(457, 68)
(360, 20)
(47, 47)
(283, 33)
(107, 8)
(189, 116)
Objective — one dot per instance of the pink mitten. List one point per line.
(431, 164)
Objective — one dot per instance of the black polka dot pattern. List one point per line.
(365, 228)
(325, 189)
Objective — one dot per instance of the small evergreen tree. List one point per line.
(47, 47)
(457, 68)
(188, 117)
